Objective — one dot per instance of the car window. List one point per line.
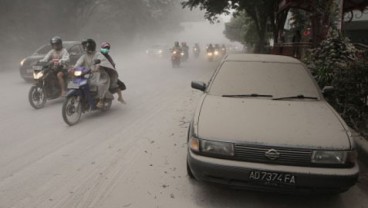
(276, 79)
(43, 50)
(75, 50)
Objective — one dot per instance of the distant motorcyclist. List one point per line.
(105, 48)
(196, 50)
(185, 49)
(176, 47)
(59, 57)
(176, 54)
(223, 49)
(210, 48)
(100, 77)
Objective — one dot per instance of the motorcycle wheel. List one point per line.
(72, 110)
(37, 97)
(107, 105)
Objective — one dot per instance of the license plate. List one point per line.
(72, 85)
(37, 67)
(272, 177)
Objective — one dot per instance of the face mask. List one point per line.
(104, 50)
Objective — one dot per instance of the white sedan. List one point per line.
(262, 123)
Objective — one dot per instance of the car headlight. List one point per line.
(22, 62)
(77, 73)
(333, 157)
(209, 54)
(218, 148)
(37, 75)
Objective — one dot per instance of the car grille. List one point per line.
(284, 156)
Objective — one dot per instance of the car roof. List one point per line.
(261, 58)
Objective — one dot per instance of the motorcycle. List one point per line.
(196, 52)
(210, 55)
(176, 58)
(82, 97)
(46, 85)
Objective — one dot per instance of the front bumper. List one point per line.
(237, 174)
(26, 73)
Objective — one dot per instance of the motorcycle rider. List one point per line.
(185, 49)
(99, 78)
(210, 48)
(60, 58)
(105, 48)
(176, 47)
(196, 48)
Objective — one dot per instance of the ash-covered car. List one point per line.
(158, 51)
(74, 48)
(262, 123)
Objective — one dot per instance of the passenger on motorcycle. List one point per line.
(100, 78)
(58, 57)
(105, 48)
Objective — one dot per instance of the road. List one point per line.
(132, 156)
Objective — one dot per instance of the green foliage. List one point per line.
(350, 96)
(334, 63)
(262, 12)
(334, 52)
(241, 28)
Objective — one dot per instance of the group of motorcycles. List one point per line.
(179, 55)
(80, 98)
(215, 52)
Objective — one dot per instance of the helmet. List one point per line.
(56, 43)
(105, 45)
(89, 45)
(176, 43)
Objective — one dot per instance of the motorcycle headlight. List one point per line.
(333, 157)
(216, 52)
(77, 73)
(174, 52)
(217, 148)
(22, 62)
(160, 51)
(209, 54)
(37, 74)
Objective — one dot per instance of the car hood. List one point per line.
(31, 60)
(262, 121)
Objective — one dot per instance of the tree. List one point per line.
(242, 28)
(262, 13)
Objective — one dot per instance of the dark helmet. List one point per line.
(176, 43)
(89, 45)
(56, 43)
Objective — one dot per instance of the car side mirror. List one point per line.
(327, 90)
(199, 85)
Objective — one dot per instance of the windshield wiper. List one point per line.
(296, 97)
(247, 95)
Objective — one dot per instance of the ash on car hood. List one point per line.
(293, 123)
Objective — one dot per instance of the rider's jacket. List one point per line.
(62, 55)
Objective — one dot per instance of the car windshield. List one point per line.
(262, 78)
(43, 50)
